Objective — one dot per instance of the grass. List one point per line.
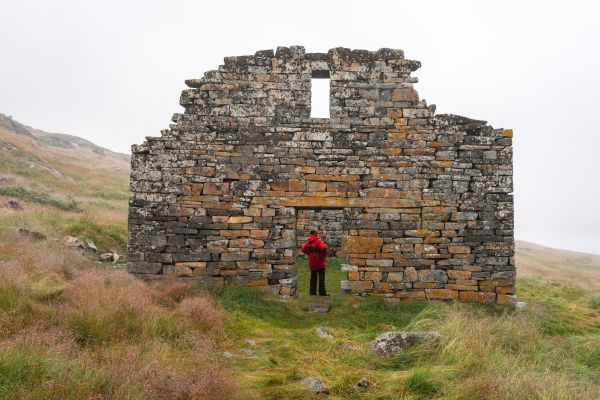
(421, 383)
(72, 330)
(39, 198)
(548, 351)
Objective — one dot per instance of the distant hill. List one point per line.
(570, 267)
(65, 185)
(59, 140)
(34, 163)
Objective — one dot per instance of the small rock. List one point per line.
(227, 355)
(13, 205)
(520, 305)
(315, 384)
(321, 307)
(250, 343)
(248, 352)
(324, 332)
(390, 343)
(74, 243)
(91, 246)
(363, 383)
(109, 257)
(32, 235)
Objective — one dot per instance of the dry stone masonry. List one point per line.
(425, 201)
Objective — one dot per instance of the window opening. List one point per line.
(319, 96)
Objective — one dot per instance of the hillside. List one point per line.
(569, 267)
(62, 182)
(72, 328)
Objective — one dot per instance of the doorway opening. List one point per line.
(329, 222)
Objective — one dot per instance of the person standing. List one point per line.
(316, 250)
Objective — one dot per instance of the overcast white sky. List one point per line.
(112, 72)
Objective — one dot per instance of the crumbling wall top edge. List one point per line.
(337, 53)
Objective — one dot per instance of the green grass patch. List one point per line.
(58, 224)
(27, 375)
(595, 303)
(39, 197)
(564, 307)
(421, 383)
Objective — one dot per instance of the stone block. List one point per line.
(239, 220)
(432, 275)
(410, 274)
(455, 249)
(348, 268)
(478, 297)
(380, 263)
(454, 274)
(395, 277)
(141, 267)
(441, 294)
(508, 299)
(235, 256)
(406, 94)
(177, 270)
(373, 276)
(364, 244)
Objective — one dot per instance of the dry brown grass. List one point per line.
(568, 267)
(77, 330)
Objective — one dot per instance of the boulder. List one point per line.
(13, 204)
(315, 385)
(109, 257)
(391, 343)
(91, 246)
(74, 243)
(324, 332)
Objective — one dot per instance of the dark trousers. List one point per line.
(313, 281)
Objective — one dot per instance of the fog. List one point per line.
(112, 72)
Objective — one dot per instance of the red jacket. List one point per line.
(317, 252)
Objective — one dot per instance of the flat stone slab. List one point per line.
(320, 307)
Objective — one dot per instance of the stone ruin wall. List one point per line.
(426, 199)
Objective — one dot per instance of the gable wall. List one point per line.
(427, 200)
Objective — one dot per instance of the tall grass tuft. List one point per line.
(420, 382)
(70, 329)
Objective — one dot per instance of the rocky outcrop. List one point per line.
(392, 343)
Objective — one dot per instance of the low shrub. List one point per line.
(38, 197)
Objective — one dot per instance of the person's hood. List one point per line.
(314, 238)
